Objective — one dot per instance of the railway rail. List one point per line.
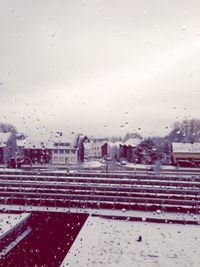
(118, 191)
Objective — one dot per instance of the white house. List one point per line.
(64, 149)
(93, 149)
(114, 149)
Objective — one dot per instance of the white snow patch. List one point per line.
(8, 221)
(104, 242)
(92, 164)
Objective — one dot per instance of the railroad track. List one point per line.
(145, 192)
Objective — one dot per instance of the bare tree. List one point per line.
(7, 127)
(131, 135)
(185, 131)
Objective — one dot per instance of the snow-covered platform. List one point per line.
(128, 215)
(103, 242)
(13, 228)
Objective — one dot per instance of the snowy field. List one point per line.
(103, 242)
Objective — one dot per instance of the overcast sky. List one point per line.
(99, 67)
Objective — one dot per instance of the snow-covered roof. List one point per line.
(103, 242)
(133, 142)
(27, 143)
(10, 221)
(115, 144)
(186, 147)
(63, 140)
(94, 144)
(4, 137)
(98, 138)
(56, 140)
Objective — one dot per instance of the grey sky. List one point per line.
(97, 66)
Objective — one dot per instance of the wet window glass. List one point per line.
(99, 133)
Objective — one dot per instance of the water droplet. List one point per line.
(183, 28)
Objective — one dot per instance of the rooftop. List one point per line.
(27, 143)
(57, 140)
(107, 242)
(61, 140)
(133, 142)
(115, 144)
(8, 221)
(186, 147)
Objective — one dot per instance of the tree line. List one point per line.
(159, 149)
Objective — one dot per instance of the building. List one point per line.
(104, 150)
(33, 152)
(114, 150)
(127, 149)
(59, 149)
(186, 154)
(7, 147)
(66, 149)
(95, 149)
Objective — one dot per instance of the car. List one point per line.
(123, 162)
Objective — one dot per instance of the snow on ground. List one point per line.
(107, 212)
(103, 242)
(98, 164)
(9, 221)
(162, 167)
(9, 170)
(92, 164)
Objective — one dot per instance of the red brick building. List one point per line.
(127, 149)
(33, 152)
